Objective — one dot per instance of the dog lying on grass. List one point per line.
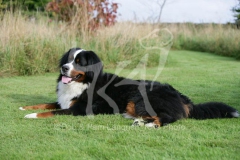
(84, 89)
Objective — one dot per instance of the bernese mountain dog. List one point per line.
(84, 89)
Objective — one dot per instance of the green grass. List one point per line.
(201, 76)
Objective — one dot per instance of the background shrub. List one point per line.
(84, 15)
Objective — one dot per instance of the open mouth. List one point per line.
(66, 79)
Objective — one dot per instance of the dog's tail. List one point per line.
(212, 110)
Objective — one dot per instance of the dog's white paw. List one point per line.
(138, 122)
(32, 115)
(21, 108)
(151, 125)
(235, 114)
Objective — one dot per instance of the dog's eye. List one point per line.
(77, 60)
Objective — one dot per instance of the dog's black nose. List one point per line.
(65, 68)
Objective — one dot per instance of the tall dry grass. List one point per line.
(29, 47)
(213, 38)
(32, 47)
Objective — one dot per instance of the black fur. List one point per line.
(108, 95)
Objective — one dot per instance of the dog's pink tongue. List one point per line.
(66, 79)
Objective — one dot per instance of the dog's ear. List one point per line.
(65, 57)
(94, 66)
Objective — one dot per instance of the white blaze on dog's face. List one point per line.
(70, 71)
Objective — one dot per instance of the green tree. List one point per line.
(26, 5)
(236, 10)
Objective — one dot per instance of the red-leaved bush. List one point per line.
(84, 14)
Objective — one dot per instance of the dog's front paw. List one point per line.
(21, 108)
(32, 115)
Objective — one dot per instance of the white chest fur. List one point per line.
(66, 92)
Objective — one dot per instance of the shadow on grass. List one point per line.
(30, 99)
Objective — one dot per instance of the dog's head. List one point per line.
(78, 65)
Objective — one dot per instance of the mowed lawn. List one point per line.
(201, 76)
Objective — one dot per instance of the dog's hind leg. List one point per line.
(141, 118)
(147, 121)
(130, 111)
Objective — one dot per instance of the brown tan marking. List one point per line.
(75, 73)
(52, 113)
(81, 79)
(130, 109)
(41, 106)
(73, 102)
(154, 118)
(45, 115)
(186, 108)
